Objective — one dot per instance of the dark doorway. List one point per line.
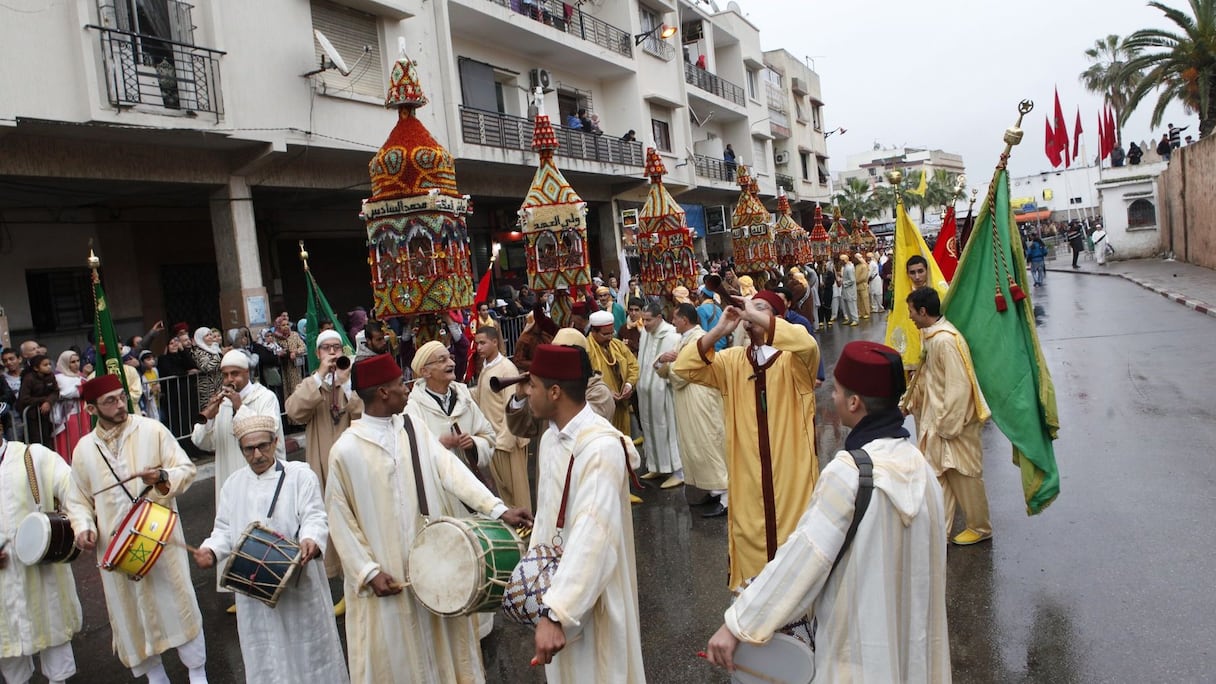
(192, 294)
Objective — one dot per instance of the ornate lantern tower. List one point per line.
(418, 245)
(751, 234)
(821, 242)
(664, 241)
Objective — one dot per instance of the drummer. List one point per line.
(160, 612)
(297, 640)
(374, 515)
(41, 611)
(879, 601)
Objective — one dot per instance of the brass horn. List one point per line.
(713, 282)
(499, 384)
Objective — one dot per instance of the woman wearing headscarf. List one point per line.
(207, 355)
(179, 400)
(68, 415)
(39, 392)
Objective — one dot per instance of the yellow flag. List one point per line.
(924, 182)
(902, 333)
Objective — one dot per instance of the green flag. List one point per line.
(1004, 344)
(315, 298)
(109, 352)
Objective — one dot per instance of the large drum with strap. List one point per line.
(460, 566)
(140, 539)
(262, 564)
(46, 538)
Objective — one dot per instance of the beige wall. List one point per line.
(1189, 191)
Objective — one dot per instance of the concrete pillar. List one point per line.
(609, 239)
(243, 297)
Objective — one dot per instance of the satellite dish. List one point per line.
(335, 59)
(733, 6)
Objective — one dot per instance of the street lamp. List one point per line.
(839, 129)
(663, 30)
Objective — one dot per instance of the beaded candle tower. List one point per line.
(793, 247)
(751, 234)
(821, 247)
(418, 245)
(840, 235)
(664, 241)
(553, 219)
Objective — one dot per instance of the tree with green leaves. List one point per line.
(856, 201)
(1109, 76)
(1180, 64)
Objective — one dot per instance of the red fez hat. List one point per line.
(181, 328)
(374, 371)
(557, 362)
(871, 370)
(580, 308)
(774, 300)
(100, 386)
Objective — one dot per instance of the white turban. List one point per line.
(424, 354)
(237, 358)
(602, 318)
(327, 336)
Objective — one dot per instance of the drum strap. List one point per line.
(32, 477)
(278, 465)
(115, 474)
(409, 433)
(865, 488)
(561, 511)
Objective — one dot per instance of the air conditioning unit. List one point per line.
(540, 78)
(782, 157)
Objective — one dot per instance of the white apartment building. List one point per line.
(873, 165)
(194, 145)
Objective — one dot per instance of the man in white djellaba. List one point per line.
(867, 562)
(297, 639)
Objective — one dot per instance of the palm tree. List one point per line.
(1109, 77)
(1180, 65)
(855, 200)
(940, 190)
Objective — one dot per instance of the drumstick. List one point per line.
(748, 671)
(117, 484)
(191, 549)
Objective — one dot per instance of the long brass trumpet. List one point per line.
(499, 384)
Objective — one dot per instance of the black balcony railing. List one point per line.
(716, 169)
(146, 70)
(567, 17)
(785, 181)
(712, 83)
(658, 47)
(515, 133)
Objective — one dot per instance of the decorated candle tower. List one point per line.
(867, 238)
(751, 234)
(418, 245)
(553, 219)
(840, 235)
(664, 241)
(791, 239)
(821, 247)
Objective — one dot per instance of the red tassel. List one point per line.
(1001, 306)
(1015, 291)
(101, 347)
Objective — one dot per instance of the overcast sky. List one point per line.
(948, 74)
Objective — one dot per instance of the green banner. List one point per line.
(314, 317)
(109, 350)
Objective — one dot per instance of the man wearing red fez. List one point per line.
(950, 411)
(768, 390)
(868, 557)
(159, 612)
(376, 507)
(589, 631)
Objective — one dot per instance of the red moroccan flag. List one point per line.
(1050, 147)
(945, 250)
(1112, 132)
(1061, 129)
(1076, 136)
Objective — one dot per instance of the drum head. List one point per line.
(784, 659)
(445, 569)
(33, 538)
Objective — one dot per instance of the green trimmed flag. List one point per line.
(109, 351)
(988, 304)
(315, 298)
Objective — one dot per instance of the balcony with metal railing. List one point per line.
(714, 169)
(480, 127)
(147, 70)
(656, 46)
(571, 19)
(785, 181)
(713, 83)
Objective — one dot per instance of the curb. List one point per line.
(1190, 303)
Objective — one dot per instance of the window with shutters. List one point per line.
(356, 37)
(759, 155)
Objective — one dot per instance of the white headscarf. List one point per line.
(200, 341)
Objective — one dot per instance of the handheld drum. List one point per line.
(460, 566)
(262, 563)
(46, 538)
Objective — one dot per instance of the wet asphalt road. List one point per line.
(1111, 583)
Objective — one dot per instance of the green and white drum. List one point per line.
(460, 566)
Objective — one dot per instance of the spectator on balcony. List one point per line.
(595, 125)
(574, 121)
(631, 136)
(728, 156)
(701, 64)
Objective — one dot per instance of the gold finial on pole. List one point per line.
(974, 193)
(895, 177)
(1013, 134)
(303, 255)
(94, 262)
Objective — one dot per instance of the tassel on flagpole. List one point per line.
(1001, 306)
(1016, 291)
